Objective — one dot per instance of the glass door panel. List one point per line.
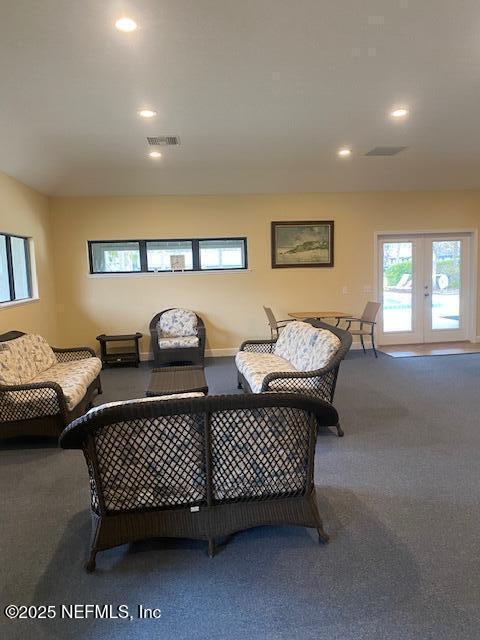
(397, 307)
(446, 289)
(446, 277)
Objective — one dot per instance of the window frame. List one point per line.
(196, 265)
(10, 270)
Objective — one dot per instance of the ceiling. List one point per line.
(261, 92)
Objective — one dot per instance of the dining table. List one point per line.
(320, 315)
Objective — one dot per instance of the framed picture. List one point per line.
(177, 262)
(302, 244)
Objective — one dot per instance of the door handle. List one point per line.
(426, 295)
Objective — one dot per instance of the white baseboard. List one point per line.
(221, 353)
(146, 356)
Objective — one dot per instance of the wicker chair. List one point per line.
(40, 408)
(177, 354)
(319, 383)
(200, 467)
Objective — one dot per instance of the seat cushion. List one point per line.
(176, 323)
(255, 366)
(73, 377)
(305, 347)
(24, 358)
(139, 462)
(182, 342)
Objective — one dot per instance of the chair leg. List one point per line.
(373, 346)
(339, 430)
(363, 343)
(211, 547)
(322, 536)
(91, 564)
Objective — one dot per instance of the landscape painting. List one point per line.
(302, 244)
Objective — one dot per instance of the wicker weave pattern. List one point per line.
(258, 346)
(151, 463)
(322, 387)
(24, 402)
(259, 453)
(69, 355)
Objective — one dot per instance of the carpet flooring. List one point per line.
(399, 495)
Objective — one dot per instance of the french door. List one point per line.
(423, 288)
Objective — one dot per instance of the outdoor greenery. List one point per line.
(446, 266)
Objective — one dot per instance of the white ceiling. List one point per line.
(261, 93)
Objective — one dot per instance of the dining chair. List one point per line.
(275, 325)
(367, 318)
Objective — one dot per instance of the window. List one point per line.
(131, 256)
(159, 254)
(222, 254)
(115, 257)
(15, 274)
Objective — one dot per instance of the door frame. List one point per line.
(471, 319)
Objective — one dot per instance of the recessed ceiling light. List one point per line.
(126, 24)
(147, 113)
(401, 112)
(344, 152)
(155, 154)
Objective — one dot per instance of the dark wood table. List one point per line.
(170, 380)
(118, 353)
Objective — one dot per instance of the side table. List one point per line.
(127, 353)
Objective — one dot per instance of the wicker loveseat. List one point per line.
(199, 467)
(178, 336)
(43, 389)
(304, 359)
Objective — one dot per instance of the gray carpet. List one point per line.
(399, 496)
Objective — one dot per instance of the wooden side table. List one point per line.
(127, 353)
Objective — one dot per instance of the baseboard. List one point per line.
(146, 356)
(221, 353)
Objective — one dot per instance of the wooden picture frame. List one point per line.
(302, 244)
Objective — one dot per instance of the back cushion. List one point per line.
(24, 358)
(306, 347)
(177, 323)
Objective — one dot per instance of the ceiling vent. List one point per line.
(385, 151)
(162, 141)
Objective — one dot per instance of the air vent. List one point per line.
(162, 141)
(385, 151)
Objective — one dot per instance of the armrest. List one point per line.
(73, 353)
(258, 346)
(24, 401)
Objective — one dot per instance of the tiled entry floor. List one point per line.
(430, 349)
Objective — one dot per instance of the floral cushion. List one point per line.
(24, 358)
(141, 469)
(183, 342)
(74, 378)
(255, 366)
(176, 323)
(259, 453)
(306, 347)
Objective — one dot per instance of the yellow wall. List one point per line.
(25, 212)
(231, 304)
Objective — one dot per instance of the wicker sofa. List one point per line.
(177, 336)
(304, 359)
(42, 388)
(199, 467)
